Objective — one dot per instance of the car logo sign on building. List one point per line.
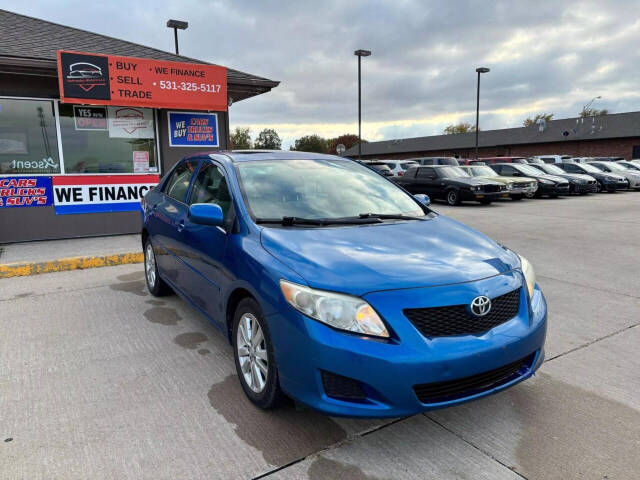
(480, 306)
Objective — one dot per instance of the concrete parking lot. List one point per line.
(100, 380)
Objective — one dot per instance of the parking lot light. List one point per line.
(479, 70)
(360, 54)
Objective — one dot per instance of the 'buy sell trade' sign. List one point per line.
(126, 81)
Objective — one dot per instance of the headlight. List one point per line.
(510, 186)
(476, 188)
(340, 311)
(529, 274)
(542, 180)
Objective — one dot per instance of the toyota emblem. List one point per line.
(480, 306)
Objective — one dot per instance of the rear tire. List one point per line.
(156, 286)
(453, 197)
(254, 356)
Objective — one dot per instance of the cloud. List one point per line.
(547, 56)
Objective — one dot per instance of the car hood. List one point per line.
(393, 255)
(553, 178)
(507, 179)
(472, 180)
(575, 176)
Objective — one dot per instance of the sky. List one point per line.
(544, 56)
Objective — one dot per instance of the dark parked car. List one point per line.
(604, 181)
(452, 184)
(381, 167)
(436, 161)
(578, 182)
(550, 185)
(632, 176)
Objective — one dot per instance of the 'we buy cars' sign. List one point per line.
(93, 78)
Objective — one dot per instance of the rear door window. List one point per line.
(426, 172)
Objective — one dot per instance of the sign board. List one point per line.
(100, 193)
(140, 161)
(89, 118)
(25, 192)
(193, 129)
(128, 122)
(140, 82)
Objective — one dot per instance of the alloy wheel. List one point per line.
(150, 265)
(452, 198)
(252, 353)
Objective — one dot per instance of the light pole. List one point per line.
(588, 105)
(177, 24)
(360, 54)
(479, 70)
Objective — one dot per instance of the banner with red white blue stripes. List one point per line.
(100, 193)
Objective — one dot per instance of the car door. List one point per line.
(166, 219)
(203, 247)
(427, 182)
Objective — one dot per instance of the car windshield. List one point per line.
(614, 166)
(528, 170)
(452, 172)
(589, 168)
(482, 172)
(319, 189)
(553, 169)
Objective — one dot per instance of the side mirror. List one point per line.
(423, 199)
(206, 214)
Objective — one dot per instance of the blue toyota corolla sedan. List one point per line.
(338, 288)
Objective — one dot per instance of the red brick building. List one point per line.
(613, 135)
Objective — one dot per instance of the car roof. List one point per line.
(236, 156)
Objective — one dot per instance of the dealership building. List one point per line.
(612, 135)
(88, 123)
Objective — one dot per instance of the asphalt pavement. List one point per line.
(100, 380)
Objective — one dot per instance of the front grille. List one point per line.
(343, 388)
(457, 320)
(492, 188)
(464, 387)
(563, 186)
(522, 185)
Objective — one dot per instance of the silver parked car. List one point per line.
(613, 167)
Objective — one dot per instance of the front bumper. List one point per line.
(522, 190)
(553, 189)
(584, 187)
(388, 370)
(480, 195)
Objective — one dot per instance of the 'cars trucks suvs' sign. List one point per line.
(92, 78)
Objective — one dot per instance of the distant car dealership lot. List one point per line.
(104, 381)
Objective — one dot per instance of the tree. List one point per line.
(348, 140)
(462, 127)
(240, 139)
(268, 139)
(311, 143)
(593, 112)
(540, 116)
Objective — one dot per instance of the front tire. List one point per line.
(453, 197)
(254, 357)
(156, 286)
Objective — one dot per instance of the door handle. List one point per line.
(180, 225)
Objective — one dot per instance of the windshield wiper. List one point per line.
(391, 216)
(289, 221)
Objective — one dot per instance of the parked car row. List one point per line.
(486, 183)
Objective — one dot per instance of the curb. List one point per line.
(21, 269)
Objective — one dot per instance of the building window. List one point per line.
(108, 139)
(28, 139)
